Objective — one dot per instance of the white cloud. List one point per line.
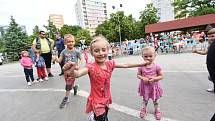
(36, 12)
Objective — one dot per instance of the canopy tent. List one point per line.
(191, 22)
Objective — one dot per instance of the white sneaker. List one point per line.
(210, 90)
(41, 80)
(29, 83)
(91, 117)
(35, 81)
(46, 78)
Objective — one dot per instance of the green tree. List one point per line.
(108, 29)
(116, 25)
(186, 8)
(2, 45)
(51, 29)
(147, 16)
(2, 42)
(83, 35)
(36, 31)
(35, 34)
(68, 29)
(128, 28)
(16, 40)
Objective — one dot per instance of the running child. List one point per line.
(27, 63)
(69, 54)
(86, 55)
(99, 73)
(149, 87)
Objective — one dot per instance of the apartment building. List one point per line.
(165, 10)
(57, 20)
(90, 13)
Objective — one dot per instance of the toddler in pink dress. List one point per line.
(149, 87)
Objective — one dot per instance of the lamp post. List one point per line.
(119, 29)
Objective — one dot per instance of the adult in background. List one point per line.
(211, 56)
(45, 45)
(205, 52)
(59, 46)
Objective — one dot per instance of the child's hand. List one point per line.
(146, 80)
(77, 67)
(151, 80)
(146, 63)
(194, 51)
(54, 58)
(69, 65)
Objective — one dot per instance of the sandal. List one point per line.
(157, 114)
(143, 113)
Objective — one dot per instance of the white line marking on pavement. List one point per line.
(32, 90)
(13, 76)
(172, 71)
(120, 108)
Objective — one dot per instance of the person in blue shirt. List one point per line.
(59, 46)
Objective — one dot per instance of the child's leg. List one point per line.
(102, 117)
(145, 103)
(43, 70)
(39, 73)
(69, 84)
(68, 88)
(31, 75)
(157, 110)
(66, 98)
(26, 75)
(143, 111)
(156, 104)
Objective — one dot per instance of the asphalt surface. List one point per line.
(184, 84)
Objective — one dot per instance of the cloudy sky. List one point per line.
(36, 12)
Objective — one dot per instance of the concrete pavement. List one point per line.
(184, 84)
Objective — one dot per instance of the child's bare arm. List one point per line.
(58, 60)
(130, 65)
(200, 52)
(81, 72)
(69, 69)
(157, 78)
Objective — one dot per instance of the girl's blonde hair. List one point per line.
(66, 36)
(99, 38)
(23, 52)
(147, 49)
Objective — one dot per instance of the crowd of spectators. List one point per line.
(163, 43)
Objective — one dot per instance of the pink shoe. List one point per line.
(157, 114)
(143, 113)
